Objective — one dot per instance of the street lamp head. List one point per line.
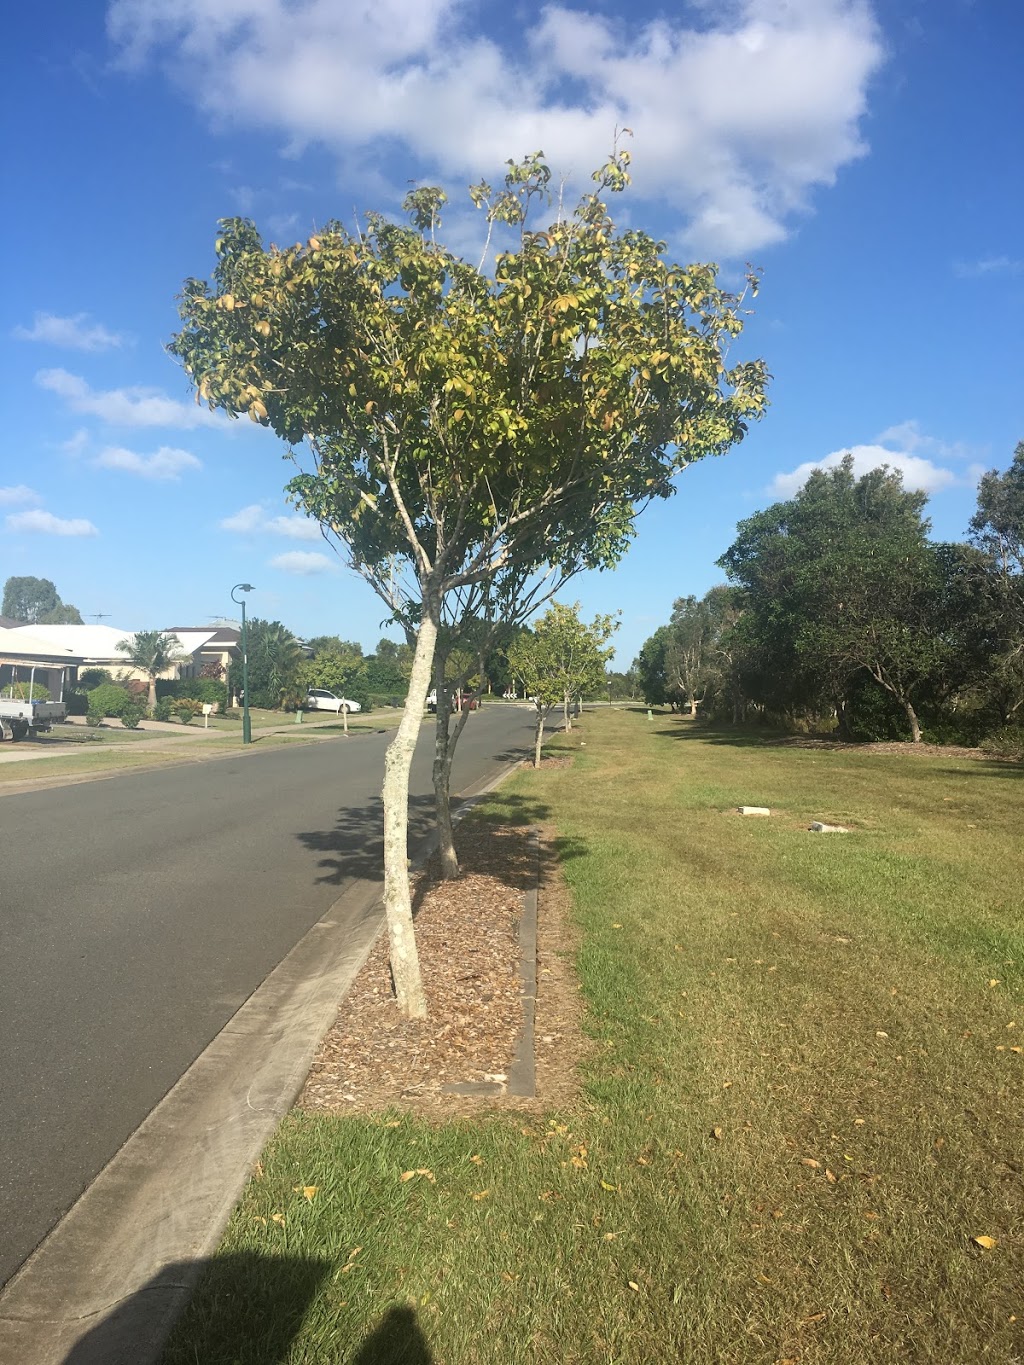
(240, 587)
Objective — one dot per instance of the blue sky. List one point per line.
(867, 157)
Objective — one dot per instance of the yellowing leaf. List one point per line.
(278, 1218)
(482, 1194)
(634, 1286)
(993, 982)
(986, 1243)
(606, 1186)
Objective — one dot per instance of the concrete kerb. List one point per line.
(110, 1279)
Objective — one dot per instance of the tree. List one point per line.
(461, 421)
(997, 530)
(64, 614)
(842, 580)
(29, 599)
(688, 657)
(559, 660)
(649, 667)
(151, 652)
(334, 644)
(338, 673)
(274, 658)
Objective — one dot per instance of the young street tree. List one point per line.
(561, 659)
(152, 653)
(459, 421)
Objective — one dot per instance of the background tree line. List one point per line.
(840, 612)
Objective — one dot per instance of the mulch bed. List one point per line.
(467, 933)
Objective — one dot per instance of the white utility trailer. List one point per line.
(21, 718)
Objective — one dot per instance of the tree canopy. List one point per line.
(37, 602)
(461, 421)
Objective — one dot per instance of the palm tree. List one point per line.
(152, 653)
(283, 654)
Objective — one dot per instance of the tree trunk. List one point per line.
(152, 692)
(915, 728)
(441, 774)
(539, 740)
(566, 713)
(405, 966)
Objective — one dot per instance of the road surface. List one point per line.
(137, 914)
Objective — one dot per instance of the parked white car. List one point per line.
(319, 699)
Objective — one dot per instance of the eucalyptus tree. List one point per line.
(459, 420)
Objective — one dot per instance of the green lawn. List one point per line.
(803, 1104)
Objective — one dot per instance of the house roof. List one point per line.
(212, 635)
(84, 644)
(20, 647)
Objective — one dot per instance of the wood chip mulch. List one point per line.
(467, 933)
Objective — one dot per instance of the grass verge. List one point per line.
(802, 1108)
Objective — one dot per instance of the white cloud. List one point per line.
(303, 562)
(987, 266)
(909, 437)
(20, 492)
(129, 407)
(253, 520)
(76, 332)
(47, 524)
(918, 472)
(76, 444)
(165, 463)
(739, 110)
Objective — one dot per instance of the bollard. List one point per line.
(298, 717)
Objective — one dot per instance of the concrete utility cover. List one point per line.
(753, 810)
(819, 828)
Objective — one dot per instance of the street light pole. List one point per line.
(246, 726)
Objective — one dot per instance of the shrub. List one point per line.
(1007, 742)
(110, 699)
(131, 716)
(19, 691)
(186, 709)
(94, 718)
(207, 690)
(162, 710)
(77, 703)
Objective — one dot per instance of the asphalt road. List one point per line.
(137, 914)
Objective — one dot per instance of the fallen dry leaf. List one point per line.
(986, 1243)
(408, 1175)
(610, 1188)
(717, 1134)
(308, 1190)
(482, 1194)
(815, 1317)
(634, 1286)
(810, 1161)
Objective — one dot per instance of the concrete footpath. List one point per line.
(106, 1285)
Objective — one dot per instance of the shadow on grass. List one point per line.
(397, 1341)
(242, 1299)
